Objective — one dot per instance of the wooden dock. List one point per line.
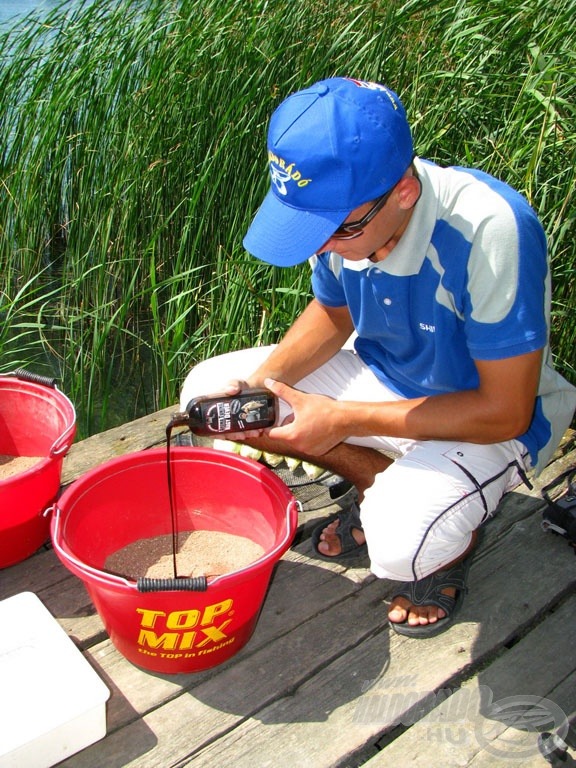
(324, 682)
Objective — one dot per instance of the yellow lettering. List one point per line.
(149, 617)
(211, 611)
(182, 619)
(214, 634)
(187, 640)
(151, 639)
(151, 635)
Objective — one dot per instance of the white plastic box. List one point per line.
(52, 703)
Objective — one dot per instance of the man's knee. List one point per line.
(412, 541)
(213, 374)
(410, 558)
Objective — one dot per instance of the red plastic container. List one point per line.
(36, 419)
(171, 625)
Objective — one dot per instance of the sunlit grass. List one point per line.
(132, 161)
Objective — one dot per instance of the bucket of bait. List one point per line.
(39, 422)
(174, 625)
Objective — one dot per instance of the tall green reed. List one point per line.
(133, 160)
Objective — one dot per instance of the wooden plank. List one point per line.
(138, 435)
(329, 726)
(241, 687)
(307, 686)
(466, 728)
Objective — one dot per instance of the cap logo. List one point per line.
(375, 87)
(282, 173)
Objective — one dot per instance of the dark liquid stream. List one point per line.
(173, 516)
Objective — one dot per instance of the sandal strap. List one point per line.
(348, 519)
(428, 591)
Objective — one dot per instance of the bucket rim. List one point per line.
(62, 443)
(42, 463)
(66, 554)
(114, 579)
(177, 452)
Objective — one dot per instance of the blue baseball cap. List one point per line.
(331, 148)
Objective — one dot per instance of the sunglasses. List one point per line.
(351, 229)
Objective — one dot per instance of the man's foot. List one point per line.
(343, 534)
(420, 605)
(342, 538)
(330, 543)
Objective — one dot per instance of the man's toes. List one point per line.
(398, 611)
(328, 547)
(329, 543)
(425, 614)
(403, 611)
(330, 529)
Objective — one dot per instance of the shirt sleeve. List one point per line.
(326, 285)
(508, 281)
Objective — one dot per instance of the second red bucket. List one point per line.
(174, 625)
(36, 421)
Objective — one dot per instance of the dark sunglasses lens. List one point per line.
(354, 228)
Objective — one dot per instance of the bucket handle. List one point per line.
(61, 445)
(193, 584)
(34, 378)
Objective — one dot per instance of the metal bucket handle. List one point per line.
(192, 584)
(34, 378)
(62, 443)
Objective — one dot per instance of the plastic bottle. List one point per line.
(223, 414)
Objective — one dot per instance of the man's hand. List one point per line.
(314, 426)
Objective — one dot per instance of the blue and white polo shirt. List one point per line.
(469, 280)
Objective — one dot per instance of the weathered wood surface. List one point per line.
(323, 681)
(146, 432)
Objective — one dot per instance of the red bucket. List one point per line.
(174, 625)
(36, 419)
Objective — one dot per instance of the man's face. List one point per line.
(379, 236)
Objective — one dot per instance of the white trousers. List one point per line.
(420, 513)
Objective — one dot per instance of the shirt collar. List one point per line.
(409, 253)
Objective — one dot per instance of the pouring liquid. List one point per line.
(173, 515)
(218, 415)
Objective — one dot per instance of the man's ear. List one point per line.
(408, 191)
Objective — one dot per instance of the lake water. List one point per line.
(14, 9)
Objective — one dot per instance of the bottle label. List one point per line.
(254, 410)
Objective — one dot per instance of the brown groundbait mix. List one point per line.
(200, 553)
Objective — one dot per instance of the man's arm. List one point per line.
(316, 336)
(499, 409)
